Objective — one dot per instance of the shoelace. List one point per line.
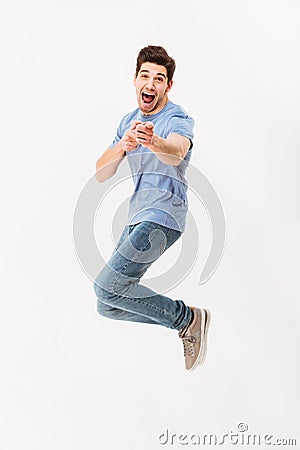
(188, 348)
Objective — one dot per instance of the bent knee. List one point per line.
(101, 293)
(110, 283)
(104, 281)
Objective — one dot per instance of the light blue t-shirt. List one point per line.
(159, 189)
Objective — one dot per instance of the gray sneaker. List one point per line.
(194, 337)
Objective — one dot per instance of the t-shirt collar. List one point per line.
(153, 116)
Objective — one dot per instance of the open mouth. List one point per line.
(147, 98)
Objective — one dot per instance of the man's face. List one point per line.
(151, 85)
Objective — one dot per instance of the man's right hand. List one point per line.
(129, 138)
(108, 163)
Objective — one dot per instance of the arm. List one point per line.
(170, 151)
(108, 163)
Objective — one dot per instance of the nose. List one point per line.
(150, 83)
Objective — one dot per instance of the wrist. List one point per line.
(119, 149)
(155, 143)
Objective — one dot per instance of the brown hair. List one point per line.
(157, 55)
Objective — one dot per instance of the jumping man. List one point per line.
(156, 139)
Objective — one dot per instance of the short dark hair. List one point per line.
(157, 55)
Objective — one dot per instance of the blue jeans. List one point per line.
(119, 294)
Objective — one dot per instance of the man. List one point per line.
(156, 139)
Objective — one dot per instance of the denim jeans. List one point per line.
(119, 294)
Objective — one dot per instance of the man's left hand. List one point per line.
(144, 133)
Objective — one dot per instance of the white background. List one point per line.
(70, 379)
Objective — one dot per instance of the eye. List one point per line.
(144, 75)
(159, 79)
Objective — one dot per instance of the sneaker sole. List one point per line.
(203, 342)
(208, 320)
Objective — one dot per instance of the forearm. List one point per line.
(108, 163)
(171, 150)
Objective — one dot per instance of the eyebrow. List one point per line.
(158, 73)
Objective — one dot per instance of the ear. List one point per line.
(134, 80)
(169, 85)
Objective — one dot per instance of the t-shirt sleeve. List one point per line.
(123, 126)
(181, 125)
(118, 136)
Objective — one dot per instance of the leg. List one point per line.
(120, 314)
(119, 293)
(112, 312)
